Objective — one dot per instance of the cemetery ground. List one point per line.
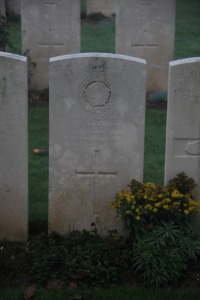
(20, 268)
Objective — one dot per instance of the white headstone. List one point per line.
(183, 120)
(145, 29)
(105, 7)
(97, 116)
(13, 147)
(49, 28)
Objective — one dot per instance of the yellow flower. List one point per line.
(148, 206)
(191, 208)
(160, 195)
(155, 210)
(137, 218)
(166, 206)
(186, 212)
(151, 185)
(158, 204)
(167, 200)
(176, 194)
(175, 204)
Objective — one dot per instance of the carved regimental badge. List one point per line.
(96, 92)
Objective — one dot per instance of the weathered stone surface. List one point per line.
(13, 147)
(106, 7)
(97, 116)
(183, 121)
(49, 28)
(145, 29)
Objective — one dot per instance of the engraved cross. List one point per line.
(50, 45)
(96, 173)
(145, 45)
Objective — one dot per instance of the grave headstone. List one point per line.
(97, 106)
(49, 28)
(2, 8)
(145, 29)
(183, 120)
(105, 7)
(13, 148)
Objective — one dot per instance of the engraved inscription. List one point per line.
(193, 148)
(94, 131)
(186, 147)
(97, 94)
(98, 67)
(189, 94)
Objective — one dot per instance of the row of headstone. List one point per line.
(97, 105)
(144, 29)
(13, 147)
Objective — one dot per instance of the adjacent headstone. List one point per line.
(97, 116)
(105, 7)
(145, 29)
(183, 120)
(13, 148)
(13, 7)
(49, 28)
(2, 8)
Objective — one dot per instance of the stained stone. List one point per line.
(145, 29)
(49, 28)
(183, 120)
(13, 148)
(97, 116)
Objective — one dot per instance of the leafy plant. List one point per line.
(162, 256)
(82, 257)
(183, 183)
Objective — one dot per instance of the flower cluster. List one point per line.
(149, 203)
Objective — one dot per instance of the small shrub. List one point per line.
(162, 256)
(82, 257)
(183, 183)
(160, 221)
(145, 205)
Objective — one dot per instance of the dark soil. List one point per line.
(15, 269)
